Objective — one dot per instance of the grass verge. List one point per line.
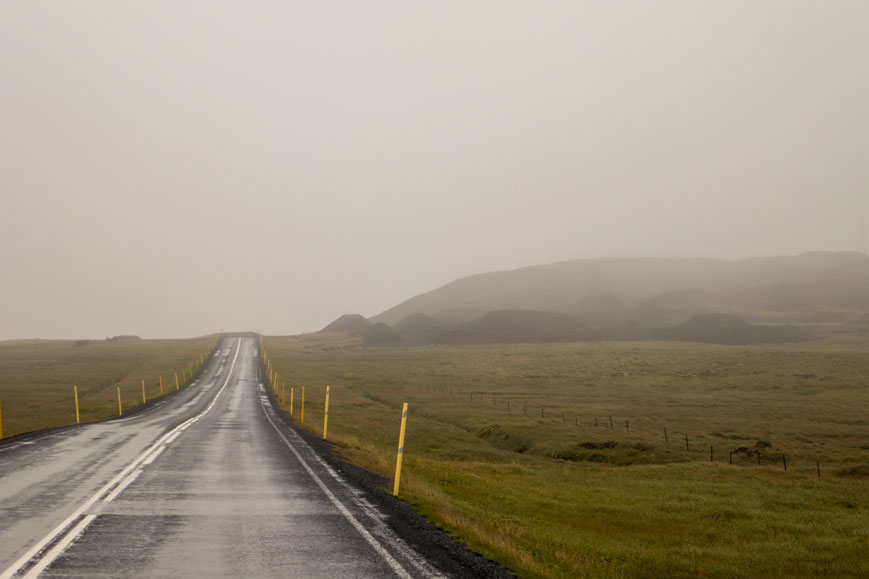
(37, 378)
(503, 452)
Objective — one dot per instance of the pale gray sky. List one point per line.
(170, 168)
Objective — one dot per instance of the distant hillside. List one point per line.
(515, 326)
(658, 292)
(729, 329)
(527, 326)
(420, 329)
(350, 323)
(381, 335)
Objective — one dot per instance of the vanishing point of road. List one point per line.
(205, 483)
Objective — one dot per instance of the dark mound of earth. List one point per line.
(716, 322)
(350, 323)
(381, 335)
(530, 326)
(421, 330)
(514, 326)
(731, 330)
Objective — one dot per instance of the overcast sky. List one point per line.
(174, 168)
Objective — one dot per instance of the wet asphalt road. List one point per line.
(208, 483)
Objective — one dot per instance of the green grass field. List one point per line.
(503, 452)
(37, 377)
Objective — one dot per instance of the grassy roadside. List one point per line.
(543, 491)
(37, 377)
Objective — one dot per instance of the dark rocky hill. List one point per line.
(381, 335)
(350, 323)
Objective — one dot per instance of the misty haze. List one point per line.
(358, 154)
(292, 288)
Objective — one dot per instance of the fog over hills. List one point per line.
(702, 300)
(813, 287)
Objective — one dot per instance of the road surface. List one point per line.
(207, 483)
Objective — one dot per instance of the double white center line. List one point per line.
(66, 532)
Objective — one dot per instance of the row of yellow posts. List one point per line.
(279, 389)
(192, 367)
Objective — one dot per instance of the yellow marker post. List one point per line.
(1, 422)
(161, 385)
(292, 391)
(75, 391)
(120, 408)
(144, 399)
(400, 450)
(326, 414)
(201, 359)
(302, 414)
(190, 367)
(176, 381)
(283, 394)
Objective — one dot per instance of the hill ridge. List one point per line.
(811, 287)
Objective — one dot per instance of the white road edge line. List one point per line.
(58, 530)
(29, 442)
(390, 560)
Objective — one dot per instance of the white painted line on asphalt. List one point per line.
(49, 557)
(120, 488)
(59, 530)
(390, 560)
(29, 442)
(154, 455)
